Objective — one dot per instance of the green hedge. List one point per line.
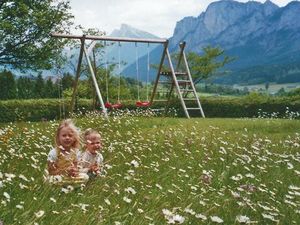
(250, 106)
(36, 109)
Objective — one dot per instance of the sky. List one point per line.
(158, 17)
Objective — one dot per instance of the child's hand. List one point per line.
(95, 168)
(72, 171)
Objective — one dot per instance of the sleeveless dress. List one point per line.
(64, 161)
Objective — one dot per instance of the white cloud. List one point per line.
(158, 17)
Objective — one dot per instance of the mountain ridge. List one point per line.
(255, 33)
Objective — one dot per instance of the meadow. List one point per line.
(273, 87)
(158, 171)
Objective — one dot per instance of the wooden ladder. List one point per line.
(180, 80)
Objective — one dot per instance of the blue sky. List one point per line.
(158, 17)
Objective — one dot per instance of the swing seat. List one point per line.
(113, 106)
(117, 105)
(107, 105)
(142, 104)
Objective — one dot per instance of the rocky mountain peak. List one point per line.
(129, 31)
(269, 7)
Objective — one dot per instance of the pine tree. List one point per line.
(7, 85)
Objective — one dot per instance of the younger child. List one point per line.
(91, 160)
(63, 159)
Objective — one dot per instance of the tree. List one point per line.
(267, 85)
(203, 67)
(25, 28)
(7, 85)
(67, 81)
(50, 90)
(39, 86)
(25, 87)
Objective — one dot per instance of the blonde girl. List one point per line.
(63, 159)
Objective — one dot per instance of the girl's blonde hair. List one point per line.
(68, 123)
(88, 132)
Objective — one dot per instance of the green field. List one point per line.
(273, 87)
(159, 171)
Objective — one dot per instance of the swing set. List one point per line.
(175, 79)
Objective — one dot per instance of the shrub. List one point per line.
(248, 106)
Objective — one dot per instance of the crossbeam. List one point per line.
(107, 38)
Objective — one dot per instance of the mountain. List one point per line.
(129, 31)
(129, 52)
(259, 35)
(263, 37)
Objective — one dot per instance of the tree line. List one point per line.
(37, 87)
(30, 87)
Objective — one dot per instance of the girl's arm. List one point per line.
(73, 170)
(52, 168)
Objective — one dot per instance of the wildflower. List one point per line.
(23, 177)
(290, 166)
(201, 216)
(19, 207)
(22, 186)
(158, 186)
(216, 219)
(9, 176)
(242, 219)
(190, 211)
(7, 196)
(237, 177)
(292, 187)
(107, 201)
(39, 214)
(128, 200)
(130, 190)
(172, 218)
(65, 190)
(140, 210)
(134, 163)
(268, 216)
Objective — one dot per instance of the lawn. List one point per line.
(159, 171)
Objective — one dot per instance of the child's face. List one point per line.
(93, 143)
(66, 138)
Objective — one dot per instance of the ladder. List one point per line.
(181, 81)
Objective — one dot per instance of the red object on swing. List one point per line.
(107, 105)
(142, 104)
(113, 106)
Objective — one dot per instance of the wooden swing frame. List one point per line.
(83, 50)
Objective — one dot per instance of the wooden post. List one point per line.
(159, 71)
(77, 75)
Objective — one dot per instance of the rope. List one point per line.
(148, 71)
(119, 86)
(106, 73)
(137, 70)
(62, 114)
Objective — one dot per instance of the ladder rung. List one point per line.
(193, 108)
(181, 73)
(169, 73)
(183, 81)
(189, 99)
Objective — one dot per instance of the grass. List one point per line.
(273, 87)
(159, 171)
